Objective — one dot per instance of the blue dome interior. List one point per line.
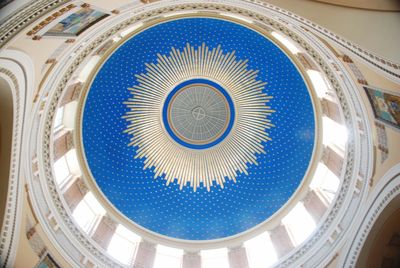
(200, 215)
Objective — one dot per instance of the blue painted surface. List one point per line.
(191, 82)
(183, 213)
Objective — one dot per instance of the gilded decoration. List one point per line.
(201, 125)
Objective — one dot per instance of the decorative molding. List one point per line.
(36, 242)
(8, 227)
(358, 153)
(353, 67)
(24, 17)
(17, 69)
(49, 19)
(383, 146)
(215, 12)
(30, 13)
(82, 187)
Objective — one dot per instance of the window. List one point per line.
(88, 212)
(317, 80)
(286, 42)
(73, 164)
(237, 17)
(299, 224)
(334, 133)
(61, 171)
(123, 244)
(215, 258)
(326, 181)
(260, 251)
(94, 204)
(131, 29)
(330, 185)
(58, 121)
(87, 69)
(168, 257)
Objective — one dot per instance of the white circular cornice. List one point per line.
(238, 239)
(359, 154)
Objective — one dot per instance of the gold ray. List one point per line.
(221, 162)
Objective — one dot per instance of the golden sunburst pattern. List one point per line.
(173, 160)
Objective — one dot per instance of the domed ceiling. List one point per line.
(198, 128)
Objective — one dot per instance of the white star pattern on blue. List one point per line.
(199, 215)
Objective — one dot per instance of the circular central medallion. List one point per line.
(198, 113)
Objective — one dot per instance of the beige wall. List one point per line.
(387, 5)
(376, 31)
(26, 256)
(393, 135)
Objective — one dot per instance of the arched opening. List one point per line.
(6, 129)
(382, 246)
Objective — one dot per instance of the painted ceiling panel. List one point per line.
(241, 201)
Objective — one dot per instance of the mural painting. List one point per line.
(76, 23)
(386, 106)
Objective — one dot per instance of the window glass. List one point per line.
(168, 257)
(73, 164)
(61, 170)
(334, 133)
(216, 258)
(330, 185)
(123, 245)
(317, 80)
(58, 121)
(88, 212)
(326, 181)
(286, 42)
(299, 224)
(84, 216)
(260, 251)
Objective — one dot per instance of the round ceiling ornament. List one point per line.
(204, 107)
(198, 115)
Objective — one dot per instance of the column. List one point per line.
(191, 260)
(62, 144)
(333, 160)
(306, 61)
(315, 204)
(331, 109)
(75, 193)
(71, 93)
(237, 257)
(145, 255)
(104, 231)
(281, 240)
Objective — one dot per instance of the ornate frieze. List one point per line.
(262, 17)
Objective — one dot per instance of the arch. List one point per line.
(386, 191)
(16, 81)
(6, 125)
(381, 248)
